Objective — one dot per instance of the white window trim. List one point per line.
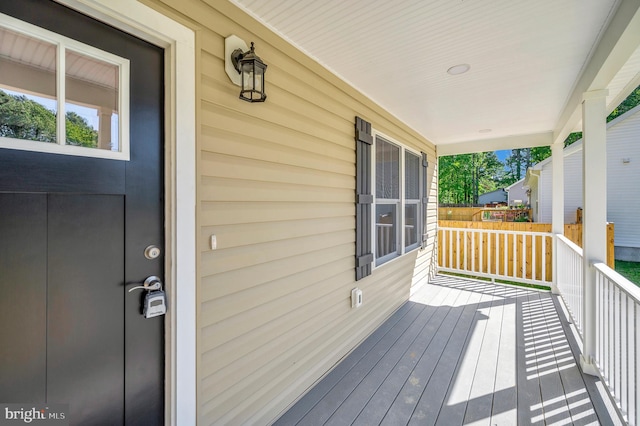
(180, 178)
(400, 203)
(63, 43)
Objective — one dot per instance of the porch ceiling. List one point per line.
(530, 61)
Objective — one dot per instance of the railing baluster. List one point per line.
(473, 250)
(598, 317)
(616, 334)
(636, 366)
(544, 258)
(524, 256)
(611, 297)
(534, 265)
(624, 389)
(464, 242)
(631, 356)
(450, 246)
(481, 249)
(489, 268)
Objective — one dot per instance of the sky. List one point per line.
(503, 154)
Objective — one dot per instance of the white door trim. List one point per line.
(180, 178)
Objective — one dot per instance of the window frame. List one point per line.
(61, 44)
(400, 203)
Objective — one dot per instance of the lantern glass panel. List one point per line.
(247, 77)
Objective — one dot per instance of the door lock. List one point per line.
(152, 252)
(155, 301)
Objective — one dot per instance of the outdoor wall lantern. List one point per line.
(245, 69)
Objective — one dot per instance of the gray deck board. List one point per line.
(529, 397)
(381, 400)
(480, 400)
(460, 352)
(412, 342)
(505, 398)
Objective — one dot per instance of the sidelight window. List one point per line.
(58, 95)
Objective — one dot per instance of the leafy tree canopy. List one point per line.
(23, 118)
(463, 177)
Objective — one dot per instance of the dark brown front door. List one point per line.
(73, 231)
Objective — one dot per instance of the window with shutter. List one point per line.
(397, 223)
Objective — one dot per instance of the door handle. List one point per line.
(151, 283)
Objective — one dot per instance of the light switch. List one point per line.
(214, 242)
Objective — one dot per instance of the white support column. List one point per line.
(594, 233)
(557, 205)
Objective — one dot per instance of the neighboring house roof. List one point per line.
(499, 195)
(492, 192)
(520, 182)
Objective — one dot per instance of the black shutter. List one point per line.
(425, 198)
(364, 199)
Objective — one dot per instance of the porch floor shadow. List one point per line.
(461, 352)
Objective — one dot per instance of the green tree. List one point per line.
(630, 102)
(23, 118)
(79, 132)
(462, 178)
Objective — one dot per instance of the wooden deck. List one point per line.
(460, 352)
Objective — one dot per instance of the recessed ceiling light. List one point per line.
(485, 130)
(459, 69)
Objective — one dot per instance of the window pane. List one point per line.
(28, 104)
(385, 229)
(91, 102)
(387, 170)
(411, 224)
(411, 176)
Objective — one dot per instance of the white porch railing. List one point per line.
(507, 255)
(570, 279)
(526, 257)
(617, 339)
(386, 238)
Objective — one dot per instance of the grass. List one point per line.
(629, 270)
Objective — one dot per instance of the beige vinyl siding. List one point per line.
(277, 188)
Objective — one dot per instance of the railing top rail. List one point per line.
(573, 246)
(624, 284)
(498, 231)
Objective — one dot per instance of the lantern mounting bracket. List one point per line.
(236, 57)
(232, 44)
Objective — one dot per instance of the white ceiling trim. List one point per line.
(618, 44)
(496, 144)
